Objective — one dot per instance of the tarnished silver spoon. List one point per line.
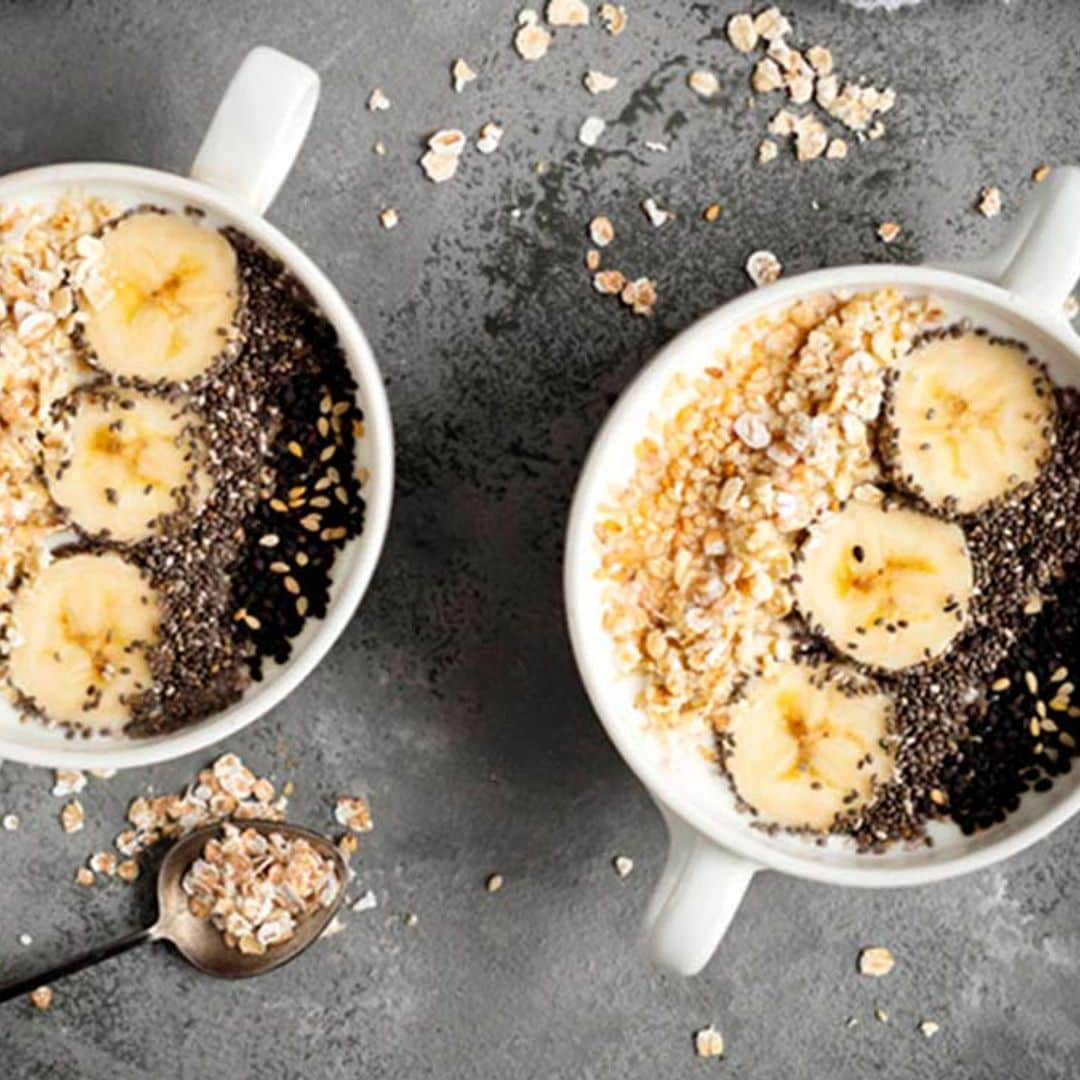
(198, 940)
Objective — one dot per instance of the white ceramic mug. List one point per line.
(252, 142)
(1019, 291)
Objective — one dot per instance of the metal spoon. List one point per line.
(198, 940)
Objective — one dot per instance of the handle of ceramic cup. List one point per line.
(695, 900)
(259, 127)
(1040, 258)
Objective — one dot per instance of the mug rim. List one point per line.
(378, 497)
(663, 787)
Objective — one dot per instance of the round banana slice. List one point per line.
(888, 587)
(168, 306)
(969, 419)
(82, 630)
(132, 459)
(803, 750)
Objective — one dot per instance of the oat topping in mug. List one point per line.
(179, 470)
(838, 549)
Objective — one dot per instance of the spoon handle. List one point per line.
(11, 990)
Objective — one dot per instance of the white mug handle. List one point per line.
(695, 900)
(1039, 259)
(259, 127)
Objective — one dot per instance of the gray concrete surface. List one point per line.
(452, 699)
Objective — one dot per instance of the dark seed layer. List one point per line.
(224, 609)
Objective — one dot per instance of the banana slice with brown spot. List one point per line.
(82, 631)
(132, 460)
(890, 587)
(804, 749)
(169, 307)
(969, 419)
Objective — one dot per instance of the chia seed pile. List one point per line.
(238, 582)
(995, 716)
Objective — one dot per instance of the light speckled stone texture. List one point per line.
(452, 699)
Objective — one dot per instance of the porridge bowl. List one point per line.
(1017, 294)
(253, 140)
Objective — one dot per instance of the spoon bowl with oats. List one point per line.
(235, 901)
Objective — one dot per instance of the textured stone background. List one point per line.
(452, 699)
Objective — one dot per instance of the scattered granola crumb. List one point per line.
(929, 1028)
(444, 152)
(771, 24)
(411, 919)
(623, 865)
(881, 1015)
(490, 136)
(704, 83)
(763, 268)
(68, 782)
(493, 883)
(84, 876)
(766, 76)
(639, 295)
(888, 231)
(811, 138)
(102, 774)
(837, 149)
(103, 862)
(851, 1021)
(26, 940)
(72, 816)
(378, 101)
(656, 214)
(1041, 173)
(354, 813)
(876, 130)
(741, 33)
(767, 151)
(334, 926)
(365, 902)
(614, 18)
(592, 260)
(711, 212)
(709, 1043)
(11, 822)
(462, 74)
(128, 870)
(656, 147)
(389, 218)
(41, 998)
(348, 844)
(602, 231)
(876, 960)
(609, 282)
(380, 148)
(596, 82)
(989, 204)
(531, 40)
(591, 129)
(820, 59)
(568, 13)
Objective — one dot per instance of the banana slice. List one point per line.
(803, 749)
(169, 306)
(82, 629)
(888, 587)
(969, 419)
(132, 459)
